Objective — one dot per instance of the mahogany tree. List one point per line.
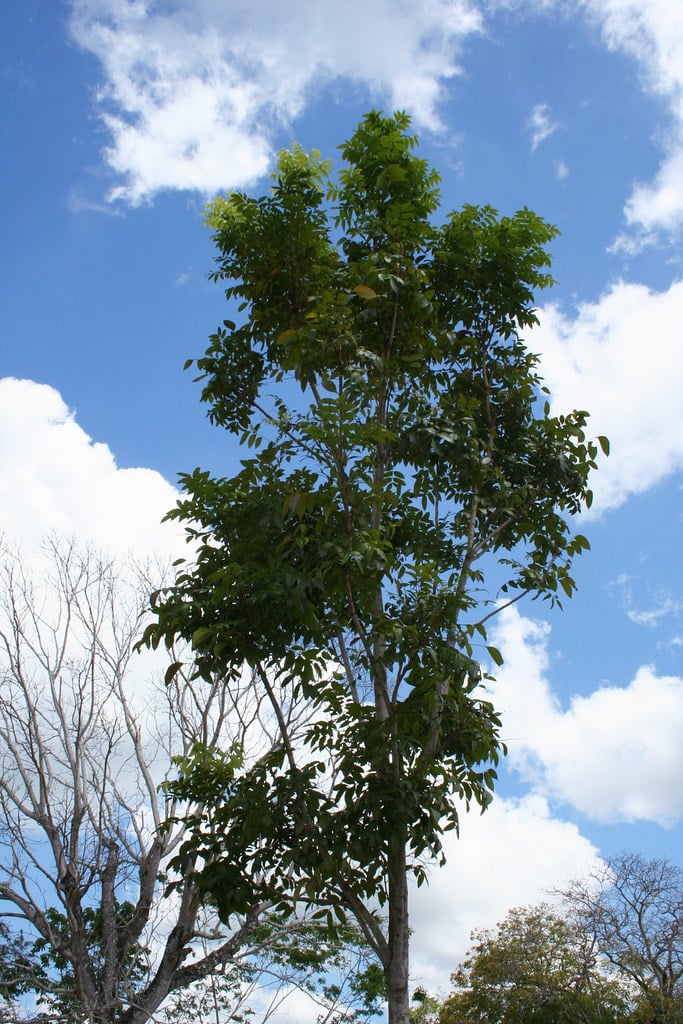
(398, 454)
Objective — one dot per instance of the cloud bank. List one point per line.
(495, 865)
(611, 755)
(55, 479)
(621, 359)
(651, 31)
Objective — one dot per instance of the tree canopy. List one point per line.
(536, 967)
(399, 455)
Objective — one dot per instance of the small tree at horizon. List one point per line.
(397, 447)
(535, 967)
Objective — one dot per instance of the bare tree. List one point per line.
(87, 730)
(634, 908)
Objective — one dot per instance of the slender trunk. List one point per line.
(397, 966)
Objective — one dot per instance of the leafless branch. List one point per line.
(87, 731)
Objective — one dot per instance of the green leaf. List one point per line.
(604, 443)
(495, 655)
(365, 292)
(200, 634)
(295, 503)
(172, 671)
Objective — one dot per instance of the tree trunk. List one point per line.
(397, 968)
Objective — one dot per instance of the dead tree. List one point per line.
(87, 731)
(634, 909)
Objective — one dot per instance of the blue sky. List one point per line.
(120, 117)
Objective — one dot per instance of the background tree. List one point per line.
(395, 447)
(424, 1008)
(89, 929)
(634, 909)
(535, 968)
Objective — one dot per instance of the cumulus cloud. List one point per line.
(54, 478)
(621, 359)
(660, 203)
(540, 124)
(612, 755)
(193, 90)
(492, 867)
(651, 31)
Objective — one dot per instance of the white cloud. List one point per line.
(644, 604)
(652, 32)
(660, 204)
(54, 478)
(652, 616)
(540, 124)
(621, 359)
(192, 91)
(614, 755)
(649, 30)
(79, 202)
(510, 856)
(561, 170)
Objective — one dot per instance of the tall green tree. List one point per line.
(397, 450)
(536, 967)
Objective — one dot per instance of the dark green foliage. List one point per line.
(20, 970)
(44, 971)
